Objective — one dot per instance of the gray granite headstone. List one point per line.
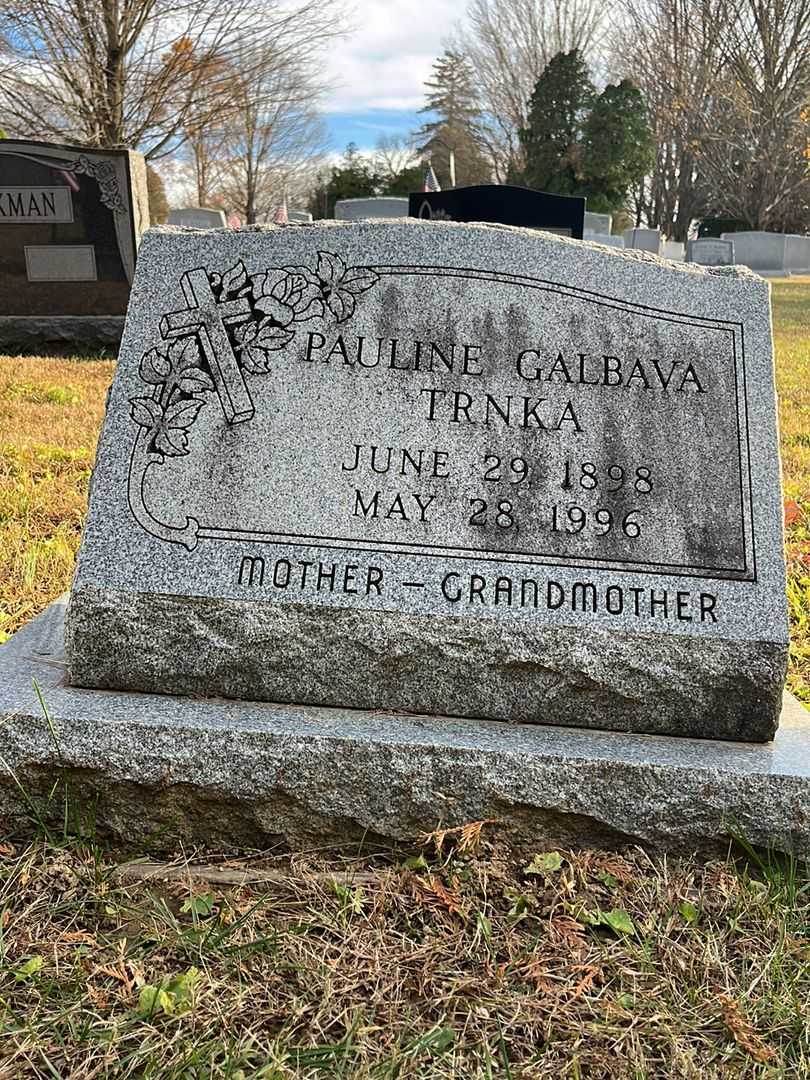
(441, 468)
(604, 238)
(598, 223)
(643, 240)
(198, 217)
(377, 207)
(710, 251)
(764, 252)
(71, 219)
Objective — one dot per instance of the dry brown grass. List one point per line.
(459, 965)
(50, 414)
(791, 313)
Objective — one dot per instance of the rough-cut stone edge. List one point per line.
(523, 673)
(89, 331)
(738, 270)
(224, 772)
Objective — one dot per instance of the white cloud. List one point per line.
(384, 62)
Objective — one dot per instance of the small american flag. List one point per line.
(70, 179)
(430, 182)
(280, 216)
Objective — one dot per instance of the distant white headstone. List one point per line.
(197, 217)
(604, 238)
(674, 250)
(598, 223)
(797, 253)
(303, 216)
(357, 209)
(765, 252)
(643, 240)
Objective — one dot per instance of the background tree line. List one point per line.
(725, 88)
(670, 109)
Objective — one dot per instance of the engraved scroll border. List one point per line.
(279, 298)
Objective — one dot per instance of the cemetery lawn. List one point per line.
(451, 959)
(452, 963)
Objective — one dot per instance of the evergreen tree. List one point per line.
(156, 194)
(404, 182)
(618, 148)
(451, 98)
(552, 138)
(353, 178)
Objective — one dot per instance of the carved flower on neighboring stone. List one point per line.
(341, 285)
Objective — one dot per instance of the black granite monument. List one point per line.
(504, 205)
(70, 222)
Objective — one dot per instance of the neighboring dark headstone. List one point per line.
(70, 222)
(710, 251)
(715, 227)
(504, 205)
(442, 468)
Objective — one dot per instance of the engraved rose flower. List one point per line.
(341, 285)
(288, 293)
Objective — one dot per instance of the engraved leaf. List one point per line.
(188, 376)
(145, 411)
(340, 285)
(184, 353)
(171, 438)
(257, 340)
(313, 310)
(272, 308)
(331, 268)
(154, 367)
(341, 304)
(234, 279)
(195, 381)
(358, 279)
(271, 291)
(182, 414)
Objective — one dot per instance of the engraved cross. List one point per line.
(208, 319)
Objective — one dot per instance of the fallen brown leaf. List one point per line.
(793, 512)
(432, 892)
(743, 1032)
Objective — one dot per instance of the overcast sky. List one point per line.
(380, 68)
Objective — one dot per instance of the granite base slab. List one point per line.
(34, 332)
(433, 664)
(227, 772)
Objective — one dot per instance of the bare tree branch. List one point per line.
(138, 72)
(508, 43)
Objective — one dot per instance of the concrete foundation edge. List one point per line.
(160, 769)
